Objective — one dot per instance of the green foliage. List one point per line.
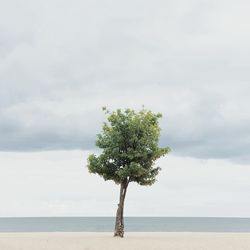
(129, 144)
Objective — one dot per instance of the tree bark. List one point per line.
(119, 223)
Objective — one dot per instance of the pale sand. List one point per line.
(139, 241)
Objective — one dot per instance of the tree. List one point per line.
(129, 143)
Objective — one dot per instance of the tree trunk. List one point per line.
(119, 223)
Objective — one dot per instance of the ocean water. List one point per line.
(132, 224)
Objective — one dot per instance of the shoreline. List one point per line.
(132, 240)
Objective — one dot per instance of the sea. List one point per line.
(132, 224)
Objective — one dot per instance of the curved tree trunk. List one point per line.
(119, 223)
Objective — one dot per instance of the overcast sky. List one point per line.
(61, 61)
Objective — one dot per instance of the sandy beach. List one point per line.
(140, 241)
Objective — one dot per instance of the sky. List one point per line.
(61, 62)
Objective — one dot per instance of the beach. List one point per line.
(135, 241)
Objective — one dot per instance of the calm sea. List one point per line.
(132, 224)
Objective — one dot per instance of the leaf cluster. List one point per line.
(129, 147)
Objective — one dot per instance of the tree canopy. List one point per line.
(129, 147)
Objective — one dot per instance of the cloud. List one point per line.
(58, 184)
(60, 63)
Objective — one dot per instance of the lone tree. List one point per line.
(129, 144)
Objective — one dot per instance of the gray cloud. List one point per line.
(60, 63)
